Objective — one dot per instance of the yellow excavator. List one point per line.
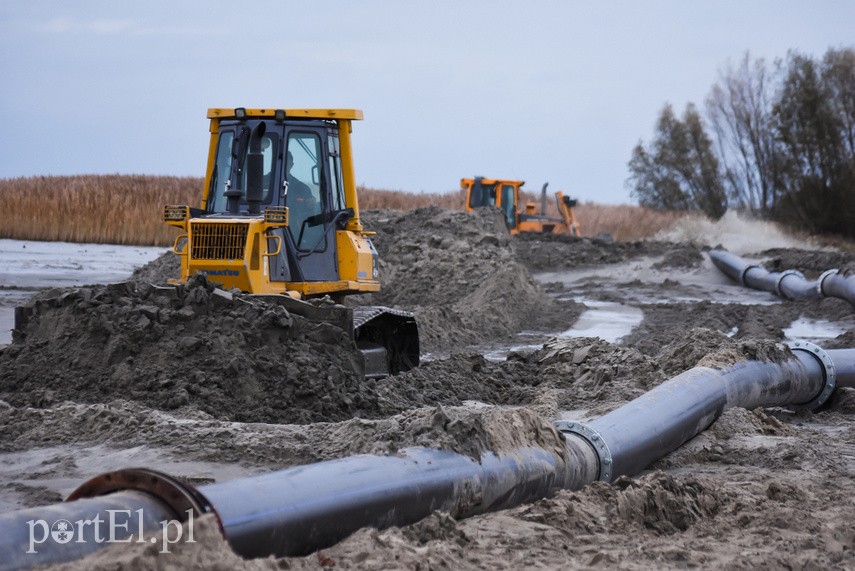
(505, 195)
(279, 219)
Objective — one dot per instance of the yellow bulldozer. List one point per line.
(505, 195)
(279, 219)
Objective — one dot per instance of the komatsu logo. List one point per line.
(230, 273)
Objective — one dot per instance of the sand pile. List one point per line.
(125, 366)
(237, 358)
(549, 252)
(193, 346)
(459, 273)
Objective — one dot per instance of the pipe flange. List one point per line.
(179, 496)
(821, 279)
(829, 373)
(781, 278)
(604, 455)
(745, 271)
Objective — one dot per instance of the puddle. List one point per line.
(501, 355)
(639, 282)
(7, 322)
(62, 264)
(27, 267)
(816, 330)
(607, 320)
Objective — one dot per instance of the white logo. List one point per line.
(118, 527)
(62, 531)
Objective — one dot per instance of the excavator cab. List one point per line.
(280, 218)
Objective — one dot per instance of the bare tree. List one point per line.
(739, 108)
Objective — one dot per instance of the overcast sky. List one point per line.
(554, 91)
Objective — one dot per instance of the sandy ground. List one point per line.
(517, 332)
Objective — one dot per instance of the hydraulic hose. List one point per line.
(305, 508)
(789, 284)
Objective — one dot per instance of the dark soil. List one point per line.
(206, 376)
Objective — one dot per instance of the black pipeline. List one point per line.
(789, 284)
(304, 508)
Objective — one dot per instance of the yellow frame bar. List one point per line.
(347, 114)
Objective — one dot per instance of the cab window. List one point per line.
(305, 200)
(482, 195)
(223, 169)
(508, 203)
(220, 174)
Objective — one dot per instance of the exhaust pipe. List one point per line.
(301, 509)
(789, 284)
(543, 199)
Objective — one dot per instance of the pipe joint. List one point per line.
(821, 279)
(780, 279)
(179, 496)
(829, 373)
(595, 440)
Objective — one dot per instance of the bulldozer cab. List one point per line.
(279, 212)
(503, 194)
(295, 175)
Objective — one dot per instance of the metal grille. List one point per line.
(213, 241)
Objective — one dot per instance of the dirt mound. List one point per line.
(165, 267)
(741, 422)
(764, 350)
(589, 373)
(685, 257)
(665, 504)
(685, 352)
(458, 273)
(810, 263)
(193, 346)
(464, 376)
(548, 252)
(665, 324)
(701, 347)
(842, 401)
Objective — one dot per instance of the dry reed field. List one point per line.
(127, 209)
(109, 209)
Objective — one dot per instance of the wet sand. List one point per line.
(512, 329)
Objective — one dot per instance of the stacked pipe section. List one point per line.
(789, 284)
(305, 508)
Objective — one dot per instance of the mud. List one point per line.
(461, 276)
(550, 251)
(193, 346)
(213, 386)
